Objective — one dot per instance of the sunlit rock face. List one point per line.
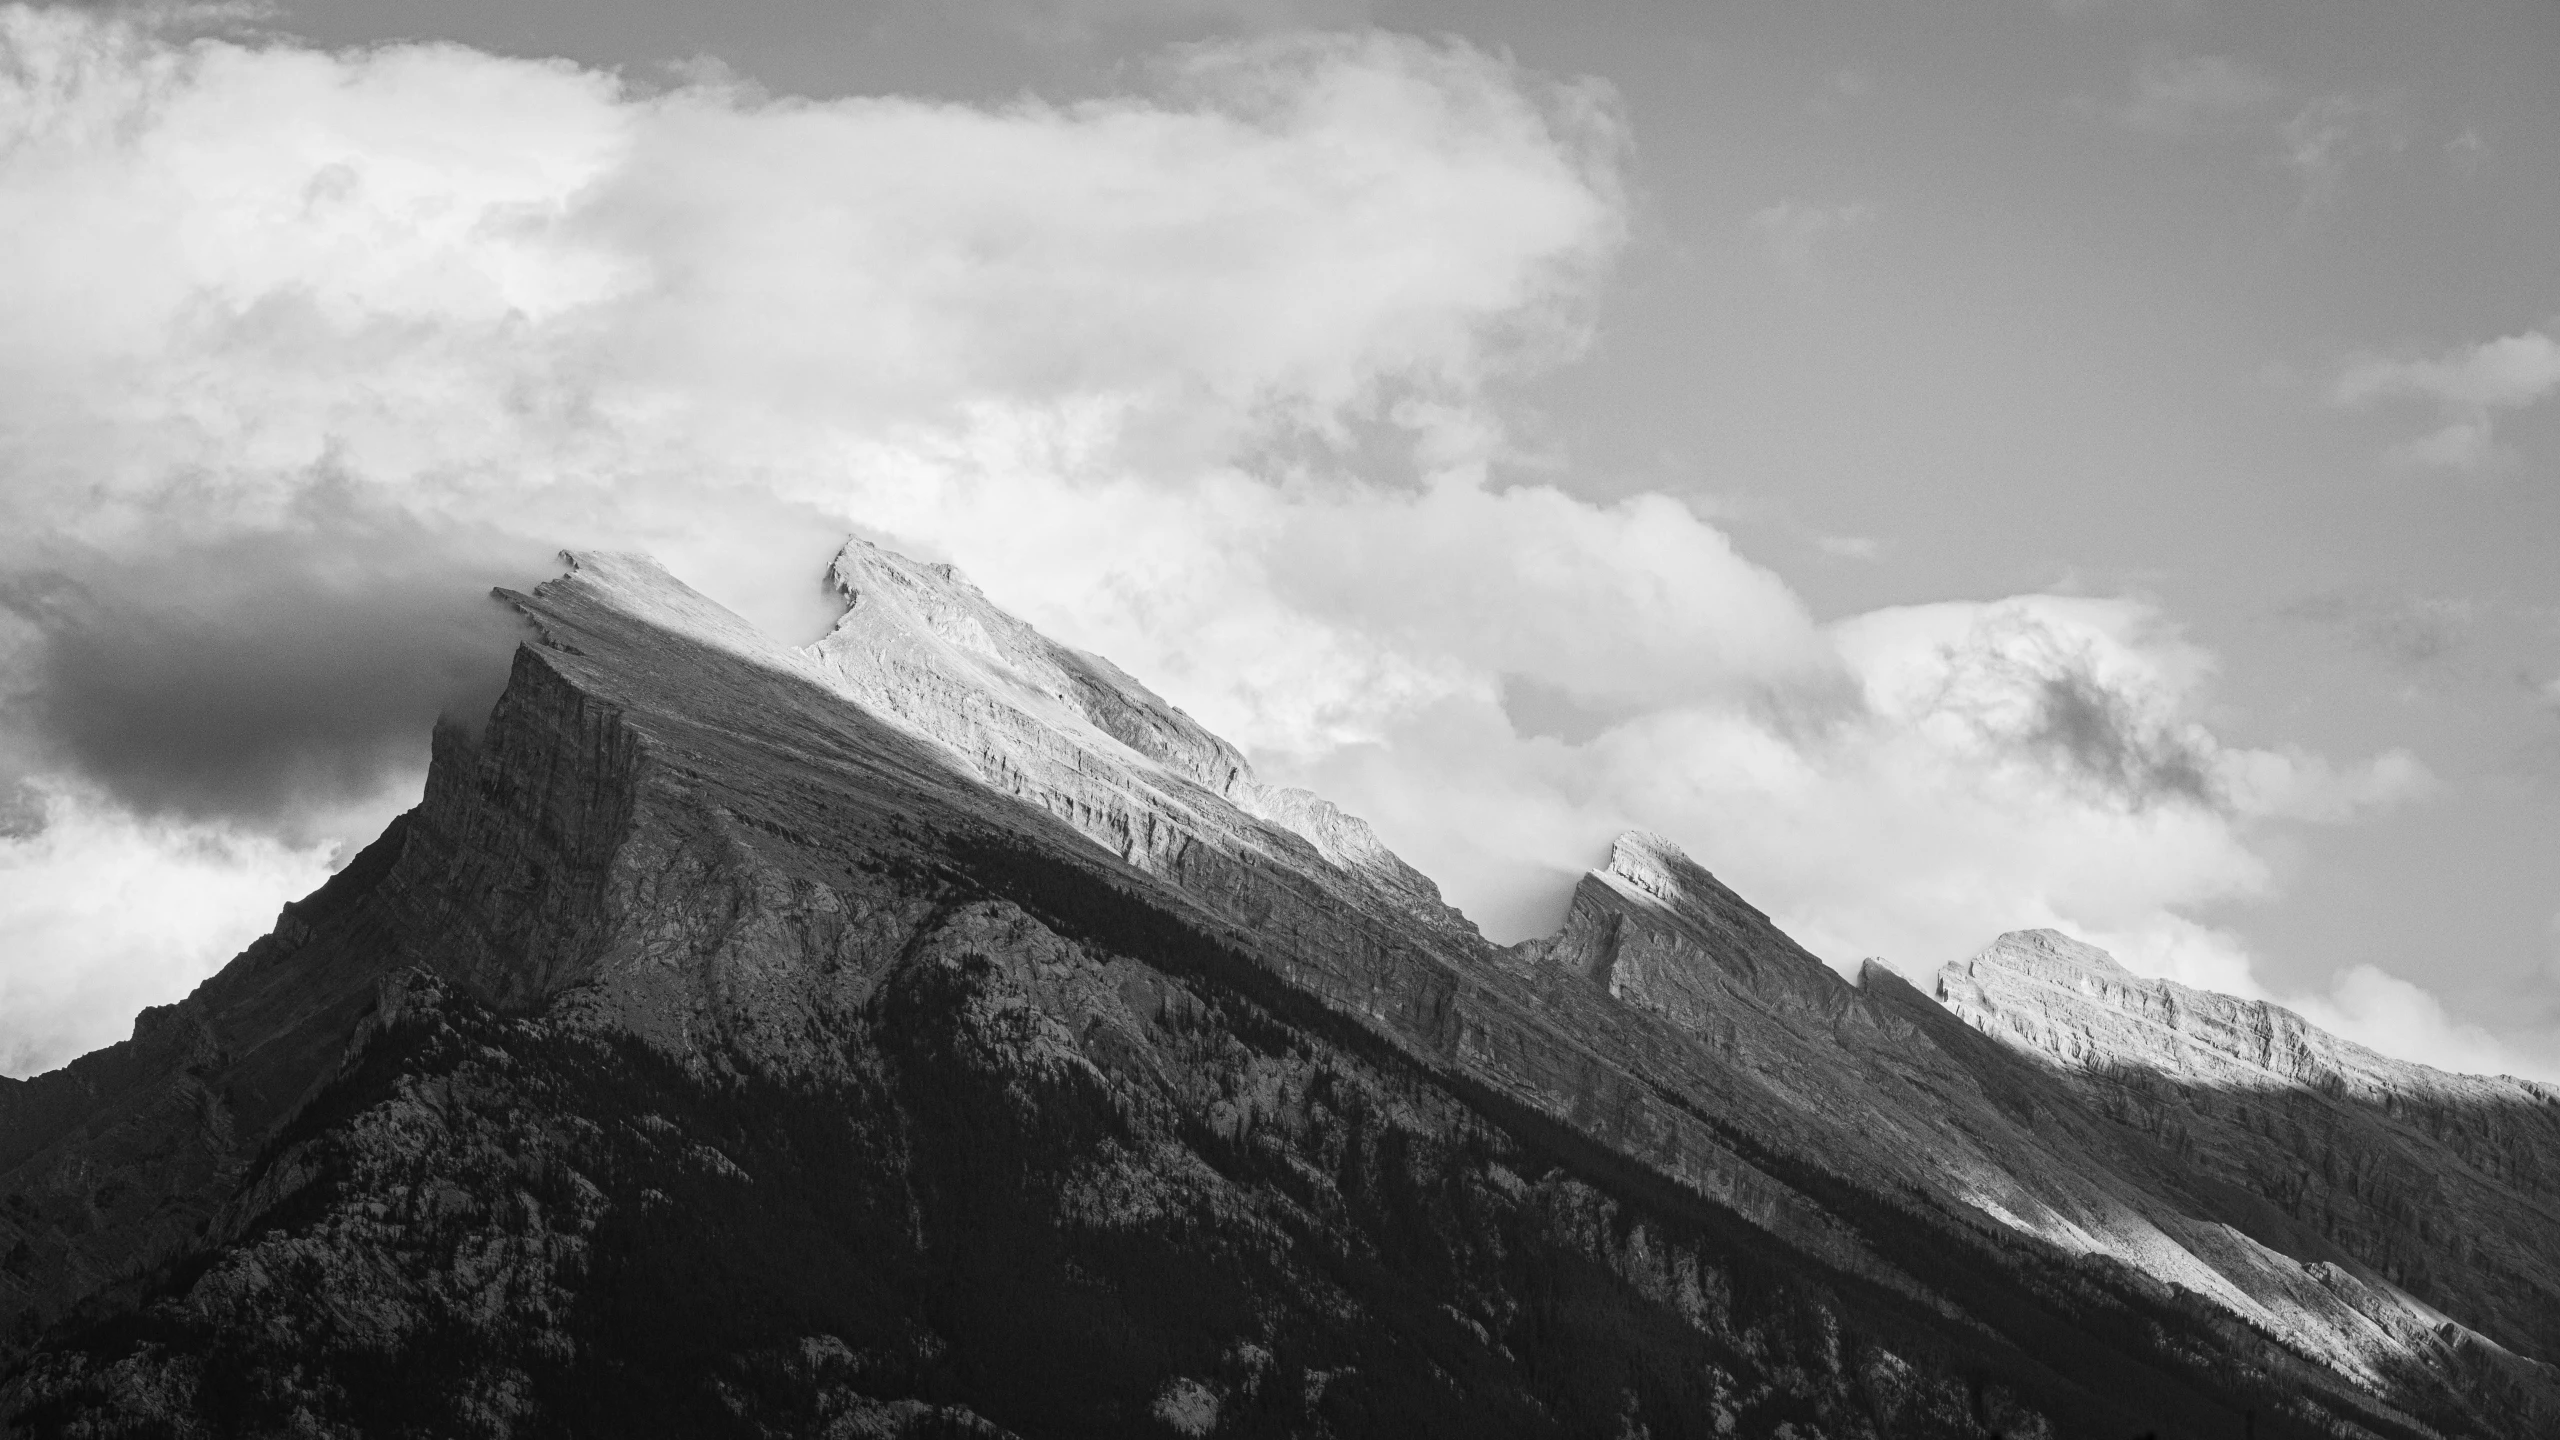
(930, 1031)
(1072, 733)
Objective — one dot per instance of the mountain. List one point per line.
(930, 1031)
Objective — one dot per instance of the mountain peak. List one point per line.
(2029, 949)
(637, 586)
(914, 636)
(1638, 854)
(1657, 866)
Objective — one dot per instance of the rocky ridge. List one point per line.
(2417, 1195)
(936, 932)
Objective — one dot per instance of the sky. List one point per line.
(1952, 467)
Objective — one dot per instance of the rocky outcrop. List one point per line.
(933, 1031)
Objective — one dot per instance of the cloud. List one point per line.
(1842, 90)
(1793, 231)
(268, 676)
(1077, 22)
(1202, 376)
(2411, 632)
(302, 350)
(2178, 96)
(2031, 761)
(2467, 387)
(2328, 131)
(1849, 547)
(2314, 138)
(2467, 152)
(491, 293)
(2383, 1012)
(146, 907)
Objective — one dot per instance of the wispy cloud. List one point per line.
(1793, 233)
(2330, 131)
(2314, 138)
(1849, 547)
(2467, 387)
(2176, 96)
(2468, 151)
(2412, 632)
(1842, 89)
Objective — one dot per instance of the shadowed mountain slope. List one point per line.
(931, 1031)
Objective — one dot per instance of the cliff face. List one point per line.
(931, 1031)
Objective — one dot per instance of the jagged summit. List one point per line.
(932, 1031)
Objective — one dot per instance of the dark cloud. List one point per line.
(259, 677)
(2095, 732)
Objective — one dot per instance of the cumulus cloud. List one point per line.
(2466, 387)
(296, 344)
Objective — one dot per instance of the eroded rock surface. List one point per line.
(931, 1031)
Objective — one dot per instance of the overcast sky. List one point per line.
(1953, 467)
